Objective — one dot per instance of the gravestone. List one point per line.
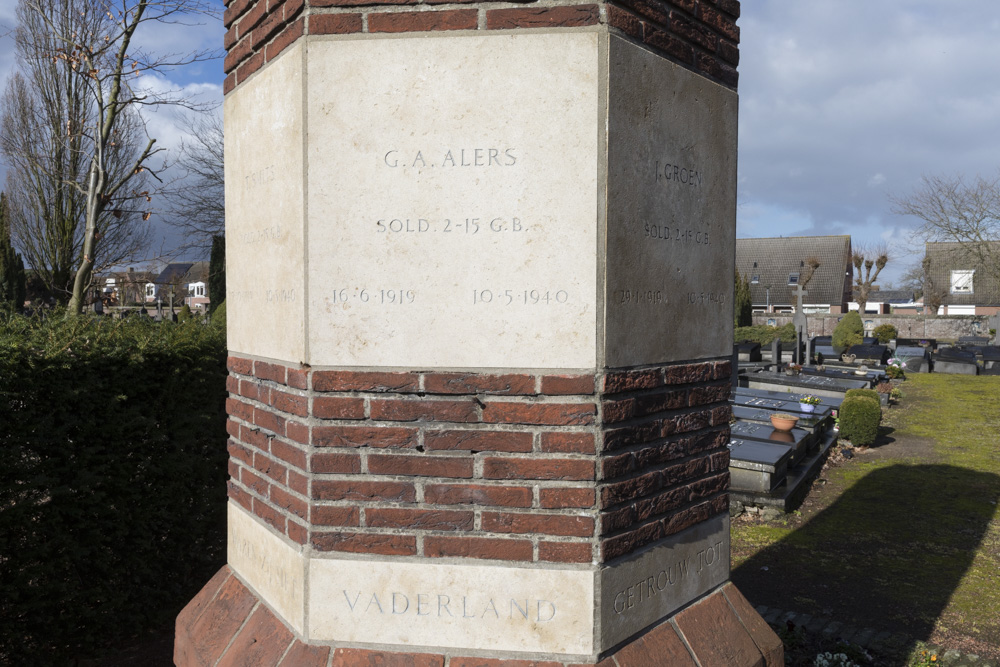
(757, 466)
(776, 353)
(991, 360)
(955, 360)
(473, 254)
(748, 352)
(917, 359)
(973, 340)
(798, 439)
(869, 353)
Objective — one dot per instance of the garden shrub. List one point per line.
(849, 331)
(859, 419)
(763, 334)
(113, 492)
(869, 393)
(883, 333)
(184, 314)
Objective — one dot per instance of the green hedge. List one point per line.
(859, 419)
(849, 331)
(883, 333)
(113, 492)
(763, 334)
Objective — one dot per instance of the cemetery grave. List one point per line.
(771, 468)
(955, 360)
(916, 358)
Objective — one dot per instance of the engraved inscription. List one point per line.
(668, 233)
(450, 157)
(440, 605)
(643, 297)
(344, 295)
(469, 226)
(525, 297)
(673, 575)
(259, 177)
(270, 572)
(260, 235)
(674, 173)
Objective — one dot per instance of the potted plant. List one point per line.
(793, 369)
(809, 403)
(783, 422)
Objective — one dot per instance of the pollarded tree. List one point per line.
(868, 263)
(94, 47)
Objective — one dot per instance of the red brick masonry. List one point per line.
(701, 35)
(513, 467)
(225, 624)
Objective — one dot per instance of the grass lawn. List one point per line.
(905, 536)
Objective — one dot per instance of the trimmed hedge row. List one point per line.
(113, 492)
(763, 334)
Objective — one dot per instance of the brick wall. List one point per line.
(701, 35)
(517, 467)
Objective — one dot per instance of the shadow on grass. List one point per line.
(888, 554)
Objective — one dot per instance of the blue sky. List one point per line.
(841, 105)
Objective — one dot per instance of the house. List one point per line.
(124, 288)
(966, 282)
(883, 302)
(187, 281)
(775, 266)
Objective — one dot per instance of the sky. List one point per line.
(842, 105)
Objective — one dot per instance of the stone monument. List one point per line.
(479, 267)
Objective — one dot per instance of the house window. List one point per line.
(961, 281)
(197, 289)
(150, 289)
(755, 279)
(793, 278)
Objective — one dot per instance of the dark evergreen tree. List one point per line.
(13, 283)
(743, 302)
(217, 273)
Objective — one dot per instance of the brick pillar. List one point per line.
(480, 332)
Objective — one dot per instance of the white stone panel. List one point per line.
(265, 276)
(275, 570)
(452, 606)
(452, 198)
(671, 211)
(646, 588)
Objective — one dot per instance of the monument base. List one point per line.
(227, 624)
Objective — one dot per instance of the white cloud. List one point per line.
(838, 100)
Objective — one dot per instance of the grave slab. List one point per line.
(757, 466)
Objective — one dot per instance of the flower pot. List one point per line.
(782, 423)
(807, 407)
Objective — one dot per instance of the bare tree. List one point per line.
(953, 210)
(812, 263)
(93, 50)
(197, 202)
(868, 263)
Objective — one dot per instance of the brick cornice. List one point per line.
(700, 35)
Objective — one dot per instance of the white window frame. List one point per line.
(961, 281)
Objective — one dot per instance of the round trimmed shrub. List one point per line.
(869, 393)
(849, 331)
(859, 419)
(884, 333)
